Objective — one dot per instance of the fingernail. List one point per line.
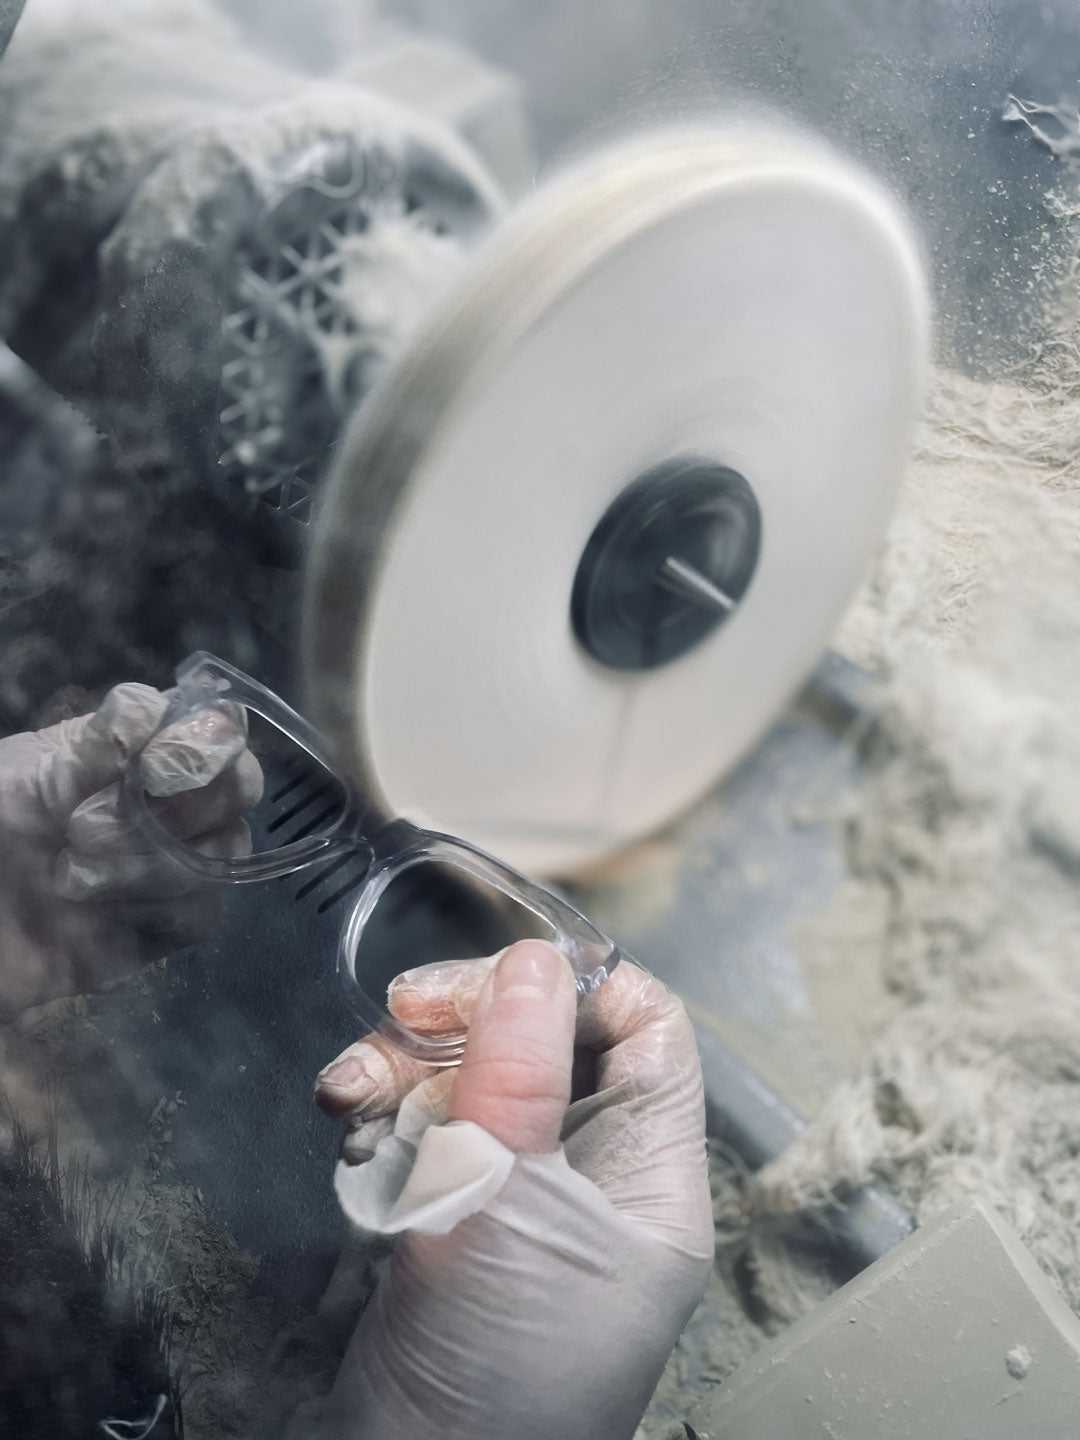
(348, 1074)
(410, 984)
(532, 965)
(424, 995)
(431, 980)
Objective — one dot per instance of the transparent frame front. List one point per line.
(388, 848)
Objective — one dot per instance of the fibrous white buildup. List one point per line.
(969, 823)
(963, 846)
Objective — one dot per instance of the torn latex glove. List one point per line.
(83, 897)
(551, 1198)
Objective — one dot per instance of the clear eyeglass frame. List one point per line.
(388, 848)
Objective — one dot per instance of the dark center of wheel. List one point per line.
(668, 563)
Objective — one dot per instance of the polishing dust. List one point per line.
(963, 845)
(969, 823)
(962, 913)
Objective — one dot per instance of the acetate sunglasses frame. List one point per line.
(389, 848)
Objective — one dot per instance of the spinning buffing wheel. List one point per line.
(602, 517)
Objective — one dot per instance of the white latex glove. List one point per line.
(552, 1248)
(83, 898)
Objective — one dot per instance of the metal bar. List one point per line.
(682, 578)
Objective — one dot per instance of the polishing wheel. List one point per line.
(600, 520)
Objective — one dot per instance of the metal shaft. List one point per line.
(682, 578)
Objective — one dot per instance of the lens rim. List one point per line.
(591, 954)
(204, 682)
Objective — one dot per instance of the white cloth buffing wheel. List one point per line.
(745, 298)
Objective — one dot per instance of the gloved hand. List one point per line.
(557, 1229)
(83, 898)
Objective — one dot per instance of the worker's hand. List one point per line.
(551, 1310)
(83, 898)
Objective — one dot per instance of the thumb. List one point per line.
(84, 755)
(194, 750)
(514, 1079)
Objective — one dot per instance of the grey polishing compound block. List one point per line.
(955, 1335)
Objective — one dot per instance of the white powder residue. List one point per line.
(967, 830)
(963, 905)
